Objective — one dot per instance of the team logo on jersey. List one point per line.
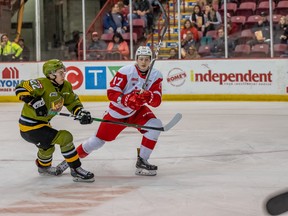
(176, 77)
(95, 77)
(57, 105)
(53, 94)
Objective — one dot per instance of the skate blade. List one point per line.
(78, 179)
(144, 172)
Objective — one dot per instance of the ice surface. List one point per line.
(221, 159)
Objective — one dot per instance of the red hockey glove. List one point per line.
(131, 100)
(146, 96)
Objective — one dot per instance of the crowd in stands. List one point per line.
(13, 51)
(96, 44)
(114, 21)
(203, 33)
(207, 19)
(72, 45)
(116, 26)
(117, 47)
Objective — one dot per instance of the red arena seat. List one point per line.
(242, 50)
(259, 50)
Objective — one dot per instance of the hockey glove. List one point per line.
(131, 100)
(84, 117)
(146, 96)
(39, 105)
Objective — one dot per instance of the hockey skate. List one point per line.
(143, 168)
(62, 166)
(81, 175)
(48, 171)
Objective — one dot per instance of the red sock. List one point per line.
(81, 152)
(150, 144)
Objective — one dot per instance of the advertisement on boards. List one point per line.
(11, 74)
(180, 77)
(225, 77)
(90, 78)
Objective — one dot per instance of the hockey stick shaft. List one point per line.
(162, 34)
(167, 127)
(63, 165)
(163, 30)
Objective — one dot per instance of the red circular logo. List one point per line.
(176, 77)
(75, 76)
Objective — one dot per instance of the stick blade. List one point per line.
(173, 122)
(278, 204)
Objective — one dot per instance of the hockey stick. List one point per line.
(63, 165)
(278, 204)
(166, 127)
(162, 34)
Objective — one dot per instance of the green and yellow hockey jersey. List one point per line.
(55, 98)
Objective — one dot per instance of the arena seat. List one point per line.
(259, 50)
(281, 8)
(242, 50)
(264, 7)
(280, 49)
(246, 9)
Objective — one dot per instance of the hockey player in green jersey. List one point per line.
(43, 98)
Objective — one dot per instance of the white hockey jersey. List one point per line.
(128, 79)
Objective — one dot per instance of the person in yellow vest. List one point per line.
(9, 51)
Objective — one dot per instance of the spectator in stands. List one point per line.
(152, 2)
(173, 53)
(118, 47)
(261, 31)
(126, 2)
(188, 26)
(188, 40)
(191, 53)
(197, 18)
(124, 9)
(218, 45)
(56, 42)
(114, 21)
(25, 55)
(9, 51)
(201, 3)
(216, 4)
(97, 45)
(73, 45)
(141, 9)
(213, 19)
(281, 31)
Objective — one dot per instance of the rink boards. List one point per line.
(205, 79)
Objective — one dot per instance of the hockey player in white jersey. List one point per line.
(130, 104)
